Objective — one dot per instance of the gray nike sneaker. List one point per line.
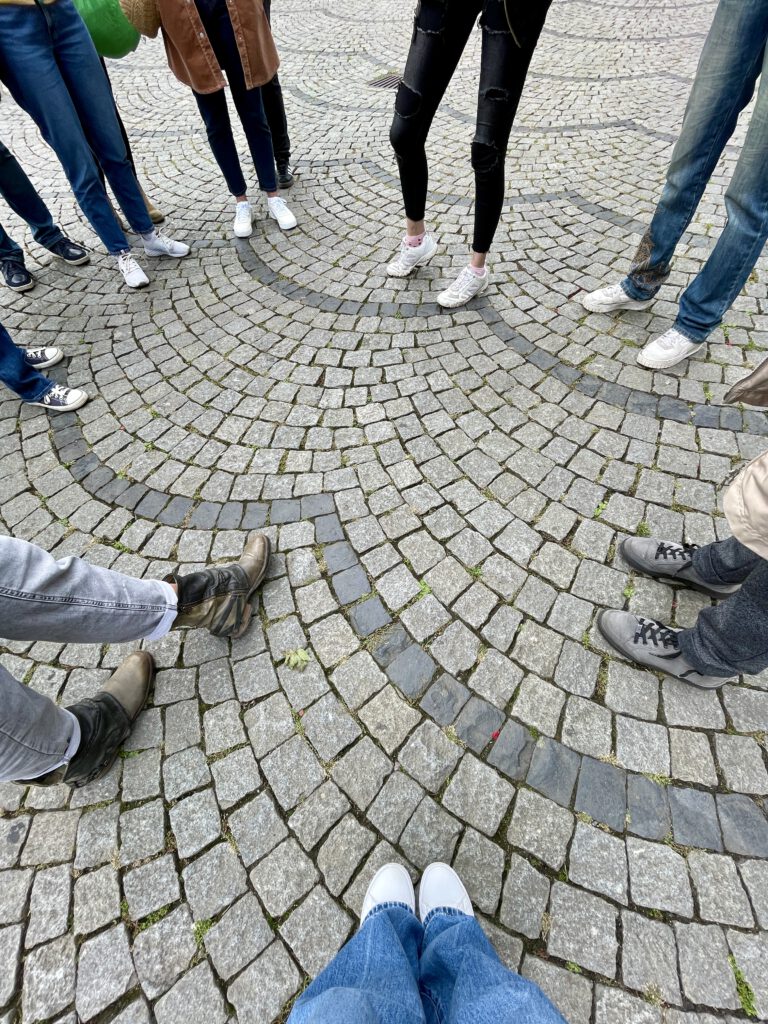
(650, 643)
(670, 562)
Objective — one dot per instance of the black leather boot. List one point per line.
(284, 174)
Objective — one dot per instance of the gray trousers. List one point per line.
(68, 601)
(731, 637)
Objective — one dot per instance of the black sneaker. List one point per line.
(16, 275)
(650, 643)
(69, 251)
(284, 174)
(62, 399)
(42, 358)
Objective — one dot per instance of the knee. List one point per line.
(405, 131)
(487, 158)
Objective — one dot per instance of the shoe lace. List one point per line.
(127, 262)
(279, 204)
(668, 551)
(465, 281)
(35, 353)
(57, 393)
(651, 632)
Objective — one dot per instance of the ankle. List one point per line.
(478, 271)
(414, 241)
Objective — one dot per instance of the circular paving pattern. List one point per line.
(445, 494)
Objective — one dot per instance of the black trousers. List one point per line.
(441, 29)
(274, 108)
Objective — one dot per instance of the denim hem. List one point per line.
(69, 753)
(446, 912)
(389, 905)
(686, 333)
(169, 615)
(48, 386)
(631, 290)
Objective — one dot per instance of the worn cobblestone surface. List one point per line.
(445, 494)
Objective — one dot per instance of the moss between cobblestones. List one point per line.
(744, 989)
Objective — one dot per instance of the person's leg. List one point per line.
(274, 108)
(440, 33)
(36, 736)
(709, 296)
(461, 978)
(16, 373)
(215, 114)
(22, 197)
(730, 62)
(725, 561)
(731, 638)
(28, 68)
(9, 249)
(123, 132)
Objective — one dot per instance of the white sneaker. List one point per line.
(131, 271)
(42, 358)
(613, 296)
(442, 887)
(278, 210)
(412, 256)
(390, 884)
(466, 286)
(243, 220)
(667, 350)
(161, 245)
(62, 399)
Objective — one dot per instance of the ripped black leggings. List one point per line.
(441, 29)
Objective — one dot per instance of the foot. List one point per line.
(243, 226)
(69, 251)
(278, 210)
(466, 286)
(155, 215)
(132, 273)
(650, 643)
(284, 174)
(161, 245)
(412, 256)
(667, 350)
(671, 563)
(62, 399)
(610, 298)
(42, 358)
(390, 884)
(442, 887)
(105, 723)
(16, 276)
(217, 599)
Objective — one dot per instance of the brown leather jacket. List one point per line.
(191, 57)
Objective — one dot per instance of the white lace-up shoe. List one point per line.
(390, 884)
(442, 887)
(161, 245)
(411, 256)
(243, 226)
(132, 273)
(466, 286)
(278, 210)
(667, 350)
(610, 298)
(62, 399)
(42, 358)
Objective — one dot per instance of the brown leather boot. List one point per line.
(217, 598)
(105, 722)
(155, 215)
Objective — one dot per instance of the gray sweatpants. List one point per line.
(731, 637)
(68, 601)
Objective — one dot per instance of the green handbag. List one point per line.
(112, 34)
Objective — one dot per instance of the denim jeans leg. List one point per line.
(464, 982)
(22, 197)
(30, 48)
(711, 293)
(70, 601)
(9, 249)
(725, 561)
(372, 979)
(16, 373)
(731, 638)
(725, 80)
(36, 735)
(215, 114)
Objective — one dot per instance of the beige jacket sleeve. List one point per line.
(746, 505)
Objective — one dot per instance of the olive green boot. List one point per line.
(105, 723)
(217, 598)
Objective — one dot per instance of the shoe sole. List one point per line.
(242, 234)
(281, 226)
(51, 362)
(248, 608)
(136, 287)
(659, 364)
(73, 263)
(458, 305)
(173, 255)
(21, 287)
(421, 262)
(631, 305)
(664, 578)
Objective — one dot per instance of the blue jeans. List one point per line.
(51, 68)
(734, 55)
(15, 372)
(248, 103)
(397, 971)
(20, 194)
(730, 637)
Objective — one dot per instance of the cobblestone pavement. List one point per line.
(445, 494)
